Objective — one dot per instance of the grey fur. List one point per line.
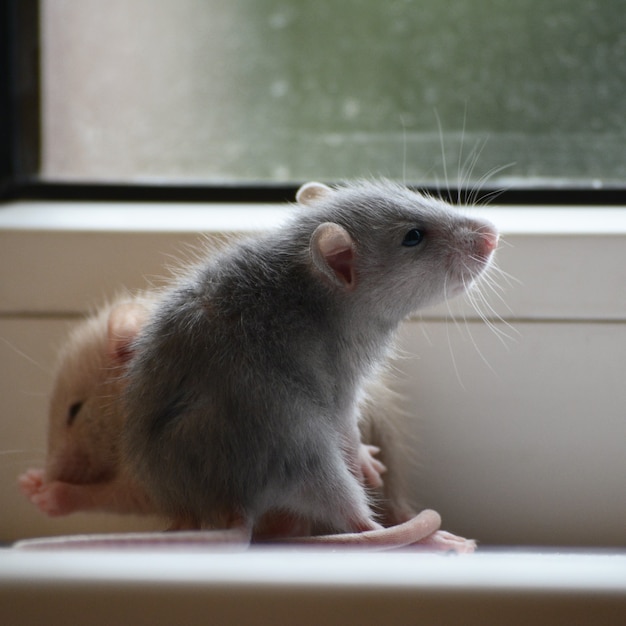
(244, 390)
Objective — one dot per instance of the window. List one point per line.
(273, 92)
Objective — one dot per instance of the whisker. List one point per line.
(32, 394)
(404, 149)
(481, 182)
(24, 355)
(450, 350)
(508, 278)
(502, 336)
(21, 451)
(478, 299)
(474, 343)
(505, 243)
(443, 153)
(18, 460)
(496, 290)
(490, 197)
(470, 165)
(424, 330)
(460, 181)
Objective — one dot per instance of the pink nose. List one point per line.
(490, 240)
(486, 239)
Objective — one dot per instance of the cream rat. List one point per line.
(83, 469)
(243, 395)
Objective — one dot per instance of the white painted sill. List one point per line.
(219, 217)
(311, 588)
(567, 263)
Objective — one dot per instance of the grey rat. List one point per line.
(244, 392)
(84, 471)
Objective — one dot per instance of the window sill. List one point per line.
(565, 263)
(265, 587)
(172, 217)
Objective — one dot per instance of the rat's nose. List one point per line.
(490, 239)
(487, 237)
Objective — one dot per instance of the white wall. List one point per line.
(520, 440)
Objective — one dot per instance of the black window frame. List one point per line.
(20, 146)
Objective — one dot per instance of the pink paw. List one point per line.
(444, 541)
(31, 481)
(53, 499)
(371, 467)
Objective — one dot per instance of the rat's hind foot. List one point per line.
(371, 467)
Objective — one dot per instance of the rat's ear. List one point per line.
(125, 322)
(332, 251)
(309, 192)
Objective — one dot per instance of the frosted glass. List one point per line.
(283, 90)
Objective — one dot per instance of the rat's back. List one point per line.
(226, 392)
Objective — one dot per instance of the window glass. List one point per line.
(529, 92)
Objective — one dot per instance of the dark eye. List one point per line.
(73, 412)
(413, 238)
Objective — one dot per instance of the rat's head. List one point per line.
(394, 249)
(85, 414)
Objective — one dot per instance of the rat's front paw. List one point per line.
(53, 499)
(31, 482)
(371, 467)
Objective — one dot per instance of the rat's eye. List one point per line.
(413, 238)
(73, 412)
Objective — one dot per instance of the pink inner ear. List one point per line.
(120, 349)
(120, 346)
(342, 263)
(124, 325)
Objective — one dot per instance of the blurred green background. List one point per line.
(529, 92)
